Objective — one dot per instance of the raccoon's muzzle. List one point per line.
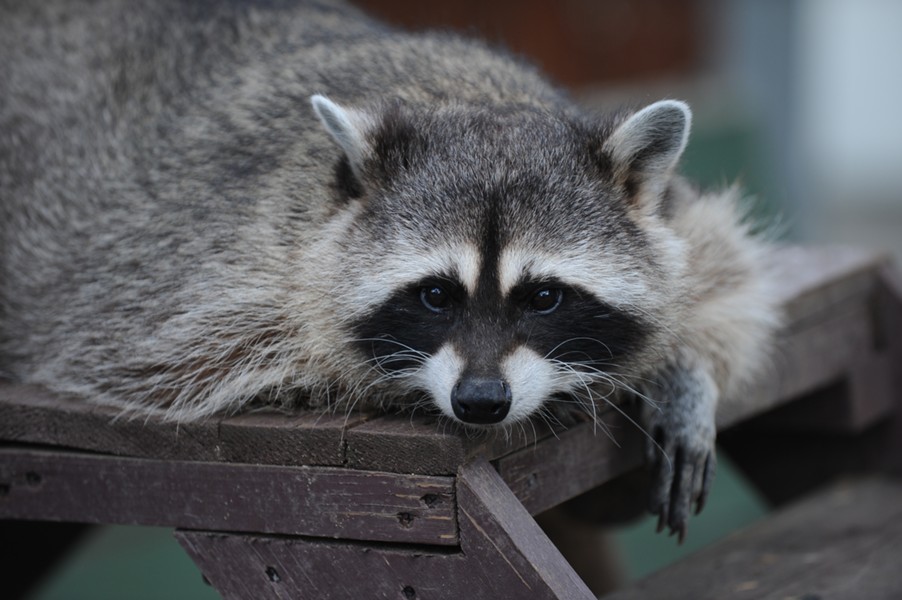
(481, 401)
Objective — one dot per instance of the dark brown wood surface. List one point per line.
(521, 562)
(843, 544)
(564, 465)
(32, 414)
(318, 501)
(827, 295)
(502, 554)
(261, 567)
(406, 445)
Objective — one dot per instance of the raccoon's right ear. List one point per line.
(349, 129)
(645, 148)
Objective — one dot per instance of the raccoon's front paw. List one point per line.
(680, 449)
(683, 469)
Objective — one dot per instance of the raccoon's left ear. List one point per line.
(348, 127)
(645, 148)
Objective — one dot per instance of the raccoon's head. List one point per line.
(501, 258)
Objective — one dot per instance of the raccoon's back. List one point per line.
(114, 103)
(160, 163)
(156, 160)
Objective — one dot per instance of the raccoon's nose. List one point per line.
(481, 401)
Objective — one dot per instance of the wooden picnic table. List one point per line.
(331, 505)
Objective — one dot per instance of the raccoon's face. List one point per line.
(490, 353)
(496, 261)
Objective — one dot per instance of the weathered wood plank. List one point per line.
(498, 532)
(296, 438)
(401, 444)
(31, 414)
(843, 544)
(503, 554)
(405, 445)
(266, 567)
(316, 501)
(556, 469)
(810, 280)
(849, 404)
(816, 355)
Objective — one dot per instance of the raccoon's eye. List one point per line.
(546, 300)
(435, 298)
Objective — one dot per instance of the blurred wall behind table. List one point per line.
(849, 136)
(822, 79)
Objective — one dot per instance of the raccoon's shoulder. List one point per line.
(717, 218)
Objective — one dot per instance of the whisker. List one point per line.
(578, 339)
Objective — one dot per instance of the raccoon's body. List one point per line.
(183, 230)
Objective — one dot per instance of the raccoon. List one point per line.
(209, 204)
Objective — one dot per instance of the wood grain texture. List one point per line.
(494, 525)
(502, 554)
(831, 332)
(405, 445)
(401, 444)
(32, 414)
(583, 457)
(842, 544)
(263, 567)
(276, 438)
(316, 501)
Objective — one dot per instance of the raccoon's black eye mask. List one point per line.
(557, 321)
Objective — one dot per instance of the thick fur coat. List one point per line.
(205, 204)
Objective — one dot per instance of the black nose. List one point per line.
(482, 401)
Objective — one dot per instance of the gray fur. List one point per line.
(180, 233)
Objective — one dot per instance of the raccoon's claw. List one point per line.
(680, 449)
(682, 476)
